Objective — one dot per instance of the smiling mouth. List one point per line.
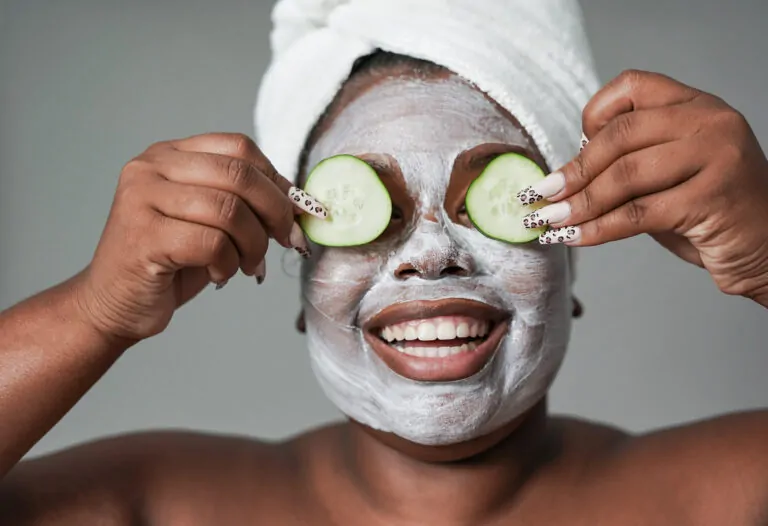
(437, 341)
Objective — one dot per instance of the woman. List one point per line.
(462, 440)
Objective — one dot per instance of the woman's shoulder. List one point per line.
(718, 465)
(149, 475)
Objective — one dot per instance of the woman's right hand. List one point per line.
(186, 213)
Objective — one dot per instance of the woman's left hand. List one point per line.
(671, 161)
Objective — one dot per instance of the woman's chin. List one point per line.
(458, 451)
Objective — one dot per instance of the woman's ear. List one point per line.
(301, 324)
(578, 308)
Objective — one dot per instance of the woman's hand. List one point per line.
(186, 213)
(671, 161)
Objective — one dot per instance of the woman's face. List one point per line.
(500, 312)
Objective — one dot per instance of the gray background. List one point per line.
(87, 84)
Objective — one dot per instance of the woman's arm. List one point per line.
(50, 355)
(185, 213)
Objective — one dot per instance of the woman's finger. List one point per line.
(637, 174)
(235, 145)
(188, 245)
(625, 134)
(235, 176)
(631, 91)
(214, 208)
(650, 214)
(242, 147)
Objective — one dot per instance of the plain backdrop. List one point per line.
(87, 84)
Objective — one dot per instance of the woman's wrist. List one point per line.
(72, 308)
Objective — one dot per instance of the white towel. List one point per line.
(531, 56)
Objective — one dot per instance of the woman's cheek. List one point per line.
(338, 279)
(531, 276)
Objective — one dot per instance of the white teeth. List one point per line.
(416, 351)
(427, 332)
(446, 331)
(441, 328)
(437, 352)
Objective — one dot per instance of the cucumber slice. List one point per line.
(359, 206)
(492, 203)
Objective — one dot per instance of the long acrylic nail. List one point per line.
(221, 284)
(548, 214)
(584, 141)
(307, 203)
(299, 242)
(566, 234)
(547, 187)
(261, 272)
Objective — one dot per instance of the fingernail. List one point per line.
(307, 203)
(566, 234)
(220, 284)
(548, 214)
(547, 187)
(261, 272)
(584, 141)
(299, 242)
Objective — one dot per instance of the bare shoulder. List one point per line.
(733, 446)
(139, 479)
(717, 468)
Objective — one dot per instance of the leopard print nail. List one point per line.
(529, 196)
(307, 203)
(560, 235)
(534, 220)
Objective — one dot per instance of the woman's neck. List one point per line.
(467, 482)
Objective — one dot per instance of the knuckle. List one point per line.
(130, 193)
(631, 77)
(215, 242)
(626, 170)
(730, 118)
(621, 128)
(135, 167)
(580, 168)
(159, 146)
(242, 145)
(239, 172)
(635, 213)
(587, 201)
(731, 153)
(227, 207)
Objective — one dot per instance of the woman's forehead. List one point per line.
(408, 115)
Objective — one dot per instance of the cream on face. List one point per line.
(424, 126)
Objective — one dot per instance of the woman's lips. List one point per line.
(437, 341)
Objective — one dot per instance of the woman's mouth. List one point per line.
(437, 341)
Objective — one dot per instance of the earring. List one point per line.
(301, 324)
(578, 309)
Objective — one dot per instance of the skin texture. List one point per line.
(537, 469)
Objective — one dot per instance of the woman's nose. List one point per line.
(433, 268)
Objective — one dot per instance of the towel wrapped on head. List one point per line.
(530, 56)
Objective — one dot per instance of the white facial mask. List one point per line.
(424, 126)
